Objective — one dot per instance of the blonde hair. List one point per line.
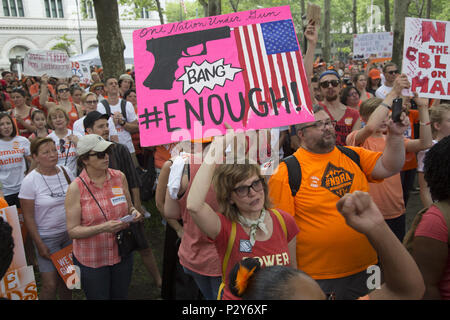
(368, 107)
(86, 95)
(54, 111)
(437, 115)
(226, 177)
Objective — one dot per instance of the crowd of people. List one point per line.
(70, 158)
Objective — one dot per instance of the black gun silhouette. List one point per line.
(168, 50)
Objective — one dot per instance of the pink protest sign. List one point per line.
(244, 69)
(426, 59)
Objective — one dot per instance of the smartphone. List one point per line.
(397, 109)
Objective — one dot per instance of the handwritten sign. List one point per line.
(18, 283)
(82, 70)
(244, 69)
(377, 45)
(52, 62)
(426, 59)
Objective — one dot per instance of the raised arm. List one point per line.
(425, 140)
(402, 277)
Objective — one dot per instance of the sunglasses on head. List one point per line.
(99, 155)
(326, 84)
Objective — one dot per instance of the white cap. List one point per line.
(92, 142)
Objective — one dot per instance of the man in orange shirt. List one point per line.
(327, 249)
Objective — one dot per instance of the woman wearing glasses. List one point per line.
(63, 100)
(14, 159)
(95, 203)
(89, 103)
(245, 214)
(42, 198)
(65, 139)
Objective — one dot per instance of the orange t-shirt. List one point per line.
(327, 248)
(3, 203)
(162, 154)
(388, 195)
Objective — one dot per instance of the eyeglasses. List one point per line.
(320, 124)
(99, 155)
(62, 147)
(99, 88)
(63, 90)
(393, 72)
(243, 191)
(326, 84)
(92, 102)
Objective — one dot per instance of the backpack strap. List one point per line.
(281, 220)
(123, 108)
(66, 175)
(105, 103)
(294, 173)
(231, 240)
(352, 154)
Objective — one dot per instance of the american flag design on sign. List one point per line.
(271, 58)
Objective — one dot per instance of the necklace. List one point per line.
(54, 195)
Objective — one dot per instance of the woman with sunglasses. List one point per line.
(63, 100)
(42, 198)
(22, 112)
(65, 139)
(245, 214)
(89, 103)
(95, 203)
(14, 159)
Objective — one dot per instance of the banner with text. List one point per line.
(426, 57)
(18, 283)
(376, 45)
(52, 62)
(244, 69)
(82, 70)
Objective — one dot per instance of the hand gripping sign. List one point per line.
(244, 69)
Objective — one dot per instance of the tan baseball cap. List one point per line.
(92, 142)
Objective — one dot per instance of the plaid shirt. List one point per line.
(100, 250)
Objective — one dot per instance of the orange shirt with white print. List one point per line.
(327, 248)
(387, 195)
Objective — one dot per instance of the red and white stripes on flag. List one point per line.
(264, 71)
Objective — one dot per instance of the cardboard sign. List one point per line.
(244, 69)
(63, 262)
(18, 283)
(426, 57)
(377, 45)
(51, 62)
(82, 70)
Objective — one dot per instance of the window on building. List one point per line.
(87, 9)
(54, 8)
(13, 8)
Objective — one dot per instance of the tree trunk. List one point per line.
(326, 45)
(301, 37)
(109, 36)
(233, 5)
(160, 13)
(214, 7)
(205, 7)
(355, 27)
(428, 9)
(387, 16)
(400, 12)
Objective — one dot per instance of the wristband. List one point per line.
(386, 105)
(424, 123)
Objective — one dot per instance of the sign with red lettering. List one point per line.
(54, 63)
(426, 57)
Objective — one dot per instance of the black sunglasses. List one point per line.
(326, 84)
(243, 191)
(62, 147)
(393, 72)
(63, 90)
(99, 155)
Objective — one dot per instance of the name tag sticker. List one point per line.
(117, 191)
(118, 200)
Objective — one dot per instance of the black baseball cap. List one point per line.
(93, 116)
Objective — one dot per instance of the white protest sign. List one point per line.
(52, 62)
(378, 45)
(82, 70)
(426, 57)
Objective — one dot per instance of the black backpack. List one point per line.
(147, 178)
(123, 104)
(295, 171)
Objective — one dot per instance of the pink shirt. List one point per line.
(196, 252)
(100, 250)
(433, 226)
(273, 251)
